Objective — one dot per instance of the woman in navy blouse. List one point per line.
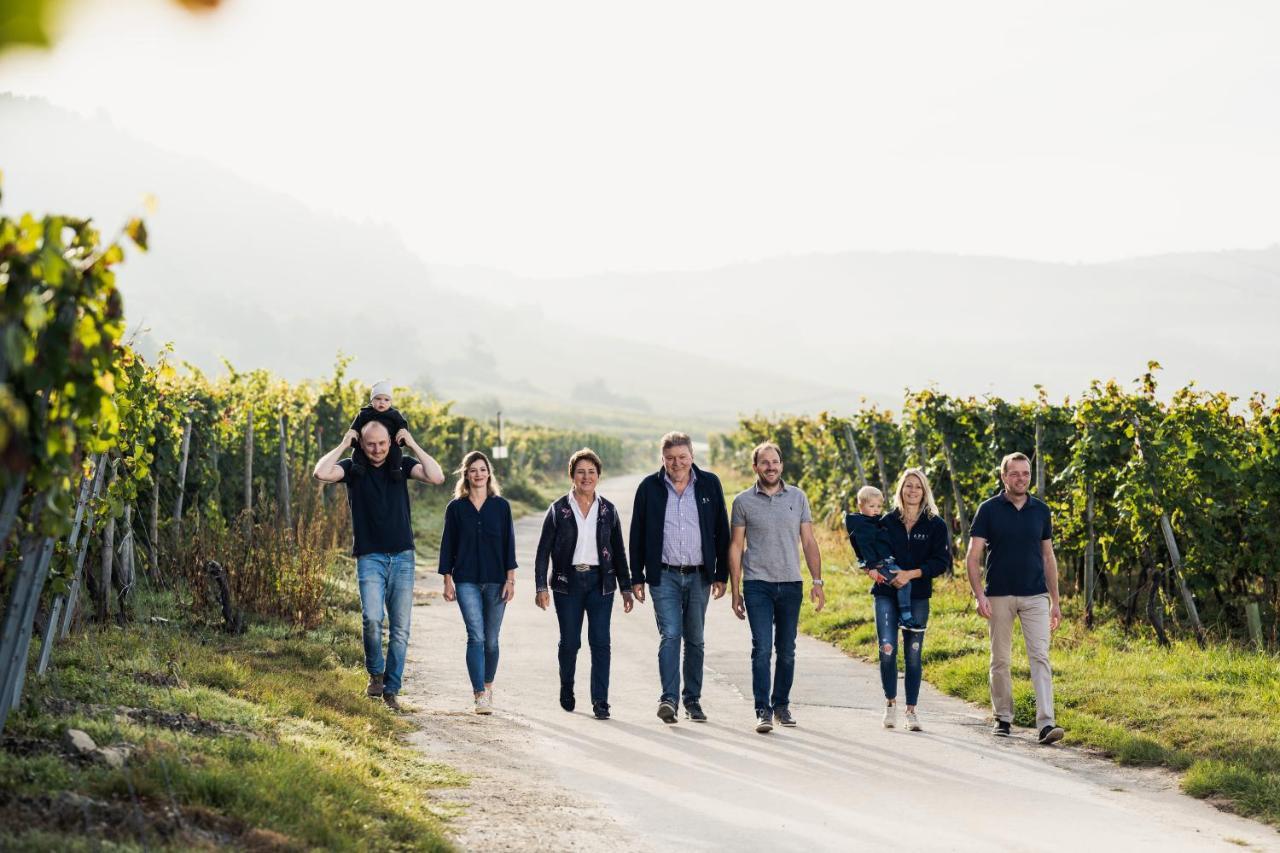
(478, 561)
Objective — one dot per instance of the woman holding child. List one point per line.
(920, 545)
(478, 561)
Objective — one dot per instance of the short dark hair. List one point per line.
(1017, 456)
(588, 455)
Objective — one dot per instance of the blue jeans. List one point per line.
(386, 585)
(680, 606)
(773, 611)
(585, 599)
(887, 621)
(889, 568)
(482, 609)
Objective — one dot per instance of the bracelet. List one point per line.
(817, 582)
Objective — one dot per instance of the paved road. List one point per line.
(546, 779)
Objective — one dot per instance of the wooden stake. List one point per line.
(857, 457)
(88, 492)
(153, 528)
(182, 481)
(879, 452)
(248, 472)
(1089, 556)
(9, 507)
(1170, 542)
(1039, 459)
(103, 591)
(1254, 618)
(282, 483)
(955, 492)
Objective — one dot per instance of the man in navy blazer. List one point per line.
(680, 548)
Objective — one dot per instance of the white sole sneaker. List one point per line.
(913, 724)
(890, 718)
(484, 704)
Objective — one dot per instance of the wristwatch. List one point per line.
(817, 581)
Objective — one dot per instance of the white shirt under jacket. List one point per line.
(586, 553)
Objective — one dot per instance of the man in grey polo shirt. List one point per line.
(769, 520)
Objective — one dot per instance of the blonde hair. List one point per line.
(929, 509)
(462, 489)
(866, 493)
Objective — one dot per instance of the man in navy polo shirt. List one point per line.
(1016, 531)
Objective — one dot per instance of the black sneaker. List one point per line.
(375, 687)
(1051, 734)
(601, 710)
(693, 711)
(782, 716)
(1001, 729)
(566, 697)
(764, 721)
(667, 713)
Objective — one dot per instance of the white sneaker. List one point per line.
(484, 703)
(913, 723)
(890, 715)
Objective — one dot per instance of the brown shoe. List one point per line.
(389, 699)
(375, 686)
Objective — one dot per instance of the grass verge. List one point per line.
(262, 741)
(1210, 714)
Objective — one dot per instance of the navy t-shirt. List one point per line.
(1015, 561)
(379, 508)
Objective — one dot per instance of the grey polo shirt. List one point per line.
(773, 532)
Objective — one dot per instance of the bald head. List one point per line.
(375, 440)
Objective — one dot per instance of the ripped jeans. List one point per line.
(887, 633)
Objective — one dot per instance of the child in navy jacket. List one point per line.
(379, 409)
(874, 548)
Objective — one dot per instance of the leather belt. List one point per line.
(684, 570)
(583, 567)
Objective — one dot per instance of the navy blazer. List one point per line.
(647, 517)
(560, 539)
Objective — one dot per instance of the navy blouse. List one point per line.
(478, 546)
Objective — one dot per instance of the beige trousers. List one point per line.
(1033, 612)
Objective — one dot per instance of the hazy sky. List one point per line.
(567, 137)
